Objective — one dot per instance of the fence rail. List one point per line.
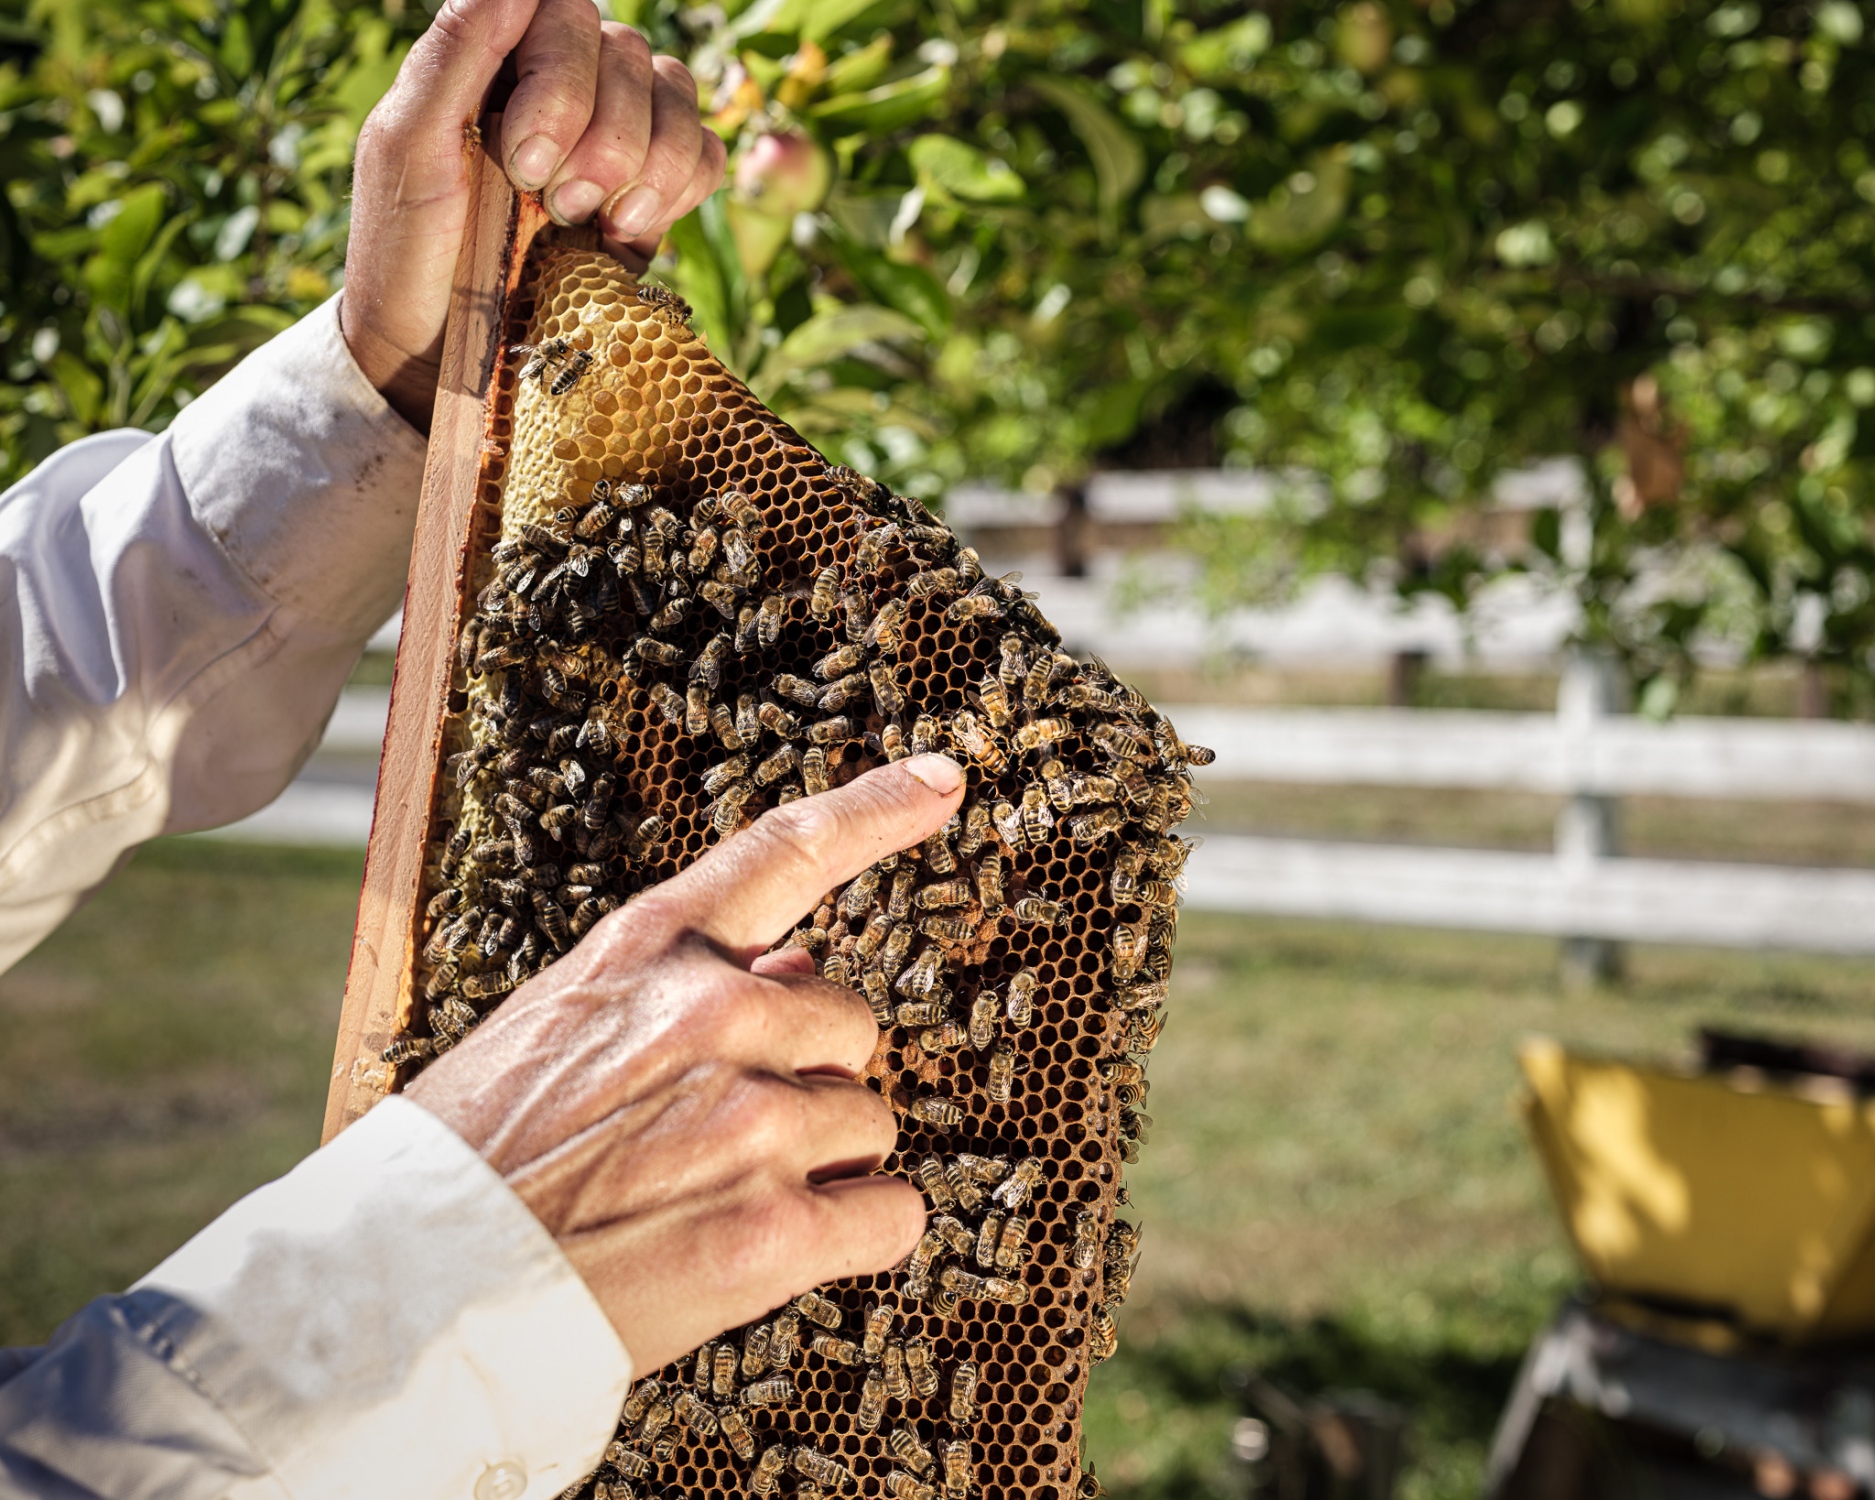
(1579, 892)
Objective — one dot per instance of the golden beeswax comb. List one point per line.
(660, 613)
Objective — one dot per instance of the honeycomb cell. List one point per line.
(589, 629)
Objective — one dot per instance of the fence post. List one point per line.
(1588, 829)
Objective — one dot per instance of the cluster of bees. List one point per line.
(796, 676)
(727, 1381)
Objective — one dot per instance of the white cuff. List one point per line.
(301, 470)
(390, 1319)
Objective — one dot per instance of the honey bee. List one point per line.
(1021, 1002)
(628, 1462)
(983, 1020)
(834, 1350)
(922, 1367)
(814, 770)
(969, 735)
(897, 1383)
(670, 307)
(743, 511)
(947, 1036)
(839, 662)
(1092, 827)
(798, 689)
(1141, 1033)
(1102, 1337)
(735, 1427)
(871, 1401)
(956, 1453)
(776, 1390)
(887, 626)
(1120, 740)
(885, 689)
(945, 893)
(1006, 1290)
(984, 1250)
(935, 1181)
(841, 691)
(768, 619)
(905, 1486)
(919, 1013)
(931, 582)
(974, 606)
(903, 1445)
(1012, 1245)
(989, 881)
(768, 1467)
(857, 899)
(1129, 949)
(745, 618)
(936, 1109)
(897, 944)
(961, 1283)
(1036, 821)
(569, 374)
(1016, 1189)
(1036, 909)
(826, 594)
(898, 904)
(1141, 997)
(726, 811)
(541, 357)
(922, 979)
(777, 765)
(638, 1402)
(665, 699)
(695, 1415)
(873, 984)
(823, 1311)
(656, 1418)
(878, 1327)
(1086, 1248)
(783, 1339)
(722, 1374)
(947, 929)
(1090, 1487)
(408, 1049)
(703, 550)
(925, 735)
(777, 720)
(1002, 1077)
(892, 741)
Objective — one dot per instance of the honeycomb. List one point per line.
(678, 614)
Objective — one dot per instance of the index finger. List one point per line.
(746, 894)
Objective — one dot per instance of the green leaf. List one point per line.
(831, 334)
(124, 239)
(1119, 160)
(963, 171)
(911, 290)
(698, 277)
(888, 106)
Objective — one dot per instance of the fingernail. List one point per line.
(574, 201)
(633, 214)
(534, 160)
(939, 772)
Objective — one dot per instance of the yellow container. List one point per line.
(1715, 1191)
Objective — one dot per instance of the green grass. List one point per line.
(166, 1051)
(1337, 1193)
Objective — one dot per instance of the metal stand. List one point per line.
(1602, 1411)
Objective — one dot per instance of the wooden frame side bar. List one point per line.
(377, 984)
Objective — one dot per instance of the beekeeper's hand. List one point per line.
(680, 1108)
(596, 122)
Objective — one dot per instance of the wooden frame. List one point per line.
(503, 226)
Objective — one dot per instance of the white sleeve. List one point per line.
(178, 613)
(386, 1319)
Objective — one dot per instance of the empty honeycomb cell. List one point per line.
(653, 408)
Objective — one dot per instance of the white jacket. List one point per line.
(177, 615)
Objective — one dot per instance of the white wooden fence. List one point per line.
(1581, 891)
(1578, 892)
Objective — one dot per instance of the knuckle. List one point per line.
(675, 75)
(806, 832)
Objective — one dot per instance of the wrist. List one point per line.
(406, 381)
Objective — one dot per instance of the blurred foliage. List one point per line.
(176, 177)
(1391, 248)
